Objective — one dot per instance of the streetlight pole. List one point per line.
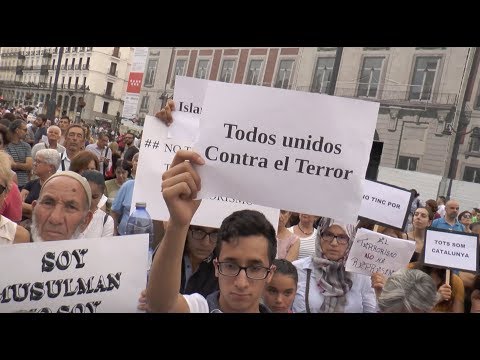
(336, 68)
(52, 103)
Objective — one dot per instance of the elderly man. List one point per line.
(74, 142)
(62, 212)
(53, 135)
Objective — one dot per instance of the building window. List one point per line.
(227, 71)
(423, 78)
(471, 174)
(145, 100)
(116, 52)
(69, 81)
(475, 145)
(284, 73)
(151, 69)
(108, 90)
(323, 75)
(407, 163)
(475, 140)
(370, 76)
(105, 107)
(113, 68)
(202, 69)
(254, 71)
(179, 69)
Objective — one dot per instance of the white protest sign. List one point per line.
(385, 204)
(373, 252)
(74, 276)
(291, 150)
(452, 250)
(159, 145)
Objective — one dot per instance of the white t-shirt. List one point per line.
(197, 303)
(96, 228)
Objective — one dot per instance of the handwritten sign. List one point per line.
(373, 252)
(159, 145)
(74, 276)
(451, 249)
(286, 149)
(385, 204)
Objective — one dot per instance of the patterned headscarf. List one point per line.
(333, 281)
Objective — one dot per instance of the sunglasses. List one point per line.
(466, 216)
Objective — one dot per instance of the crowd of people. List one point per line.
(65, 180)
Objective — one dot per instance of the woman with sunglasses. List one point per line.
(10, 232)
(465, 219)
(323, 284)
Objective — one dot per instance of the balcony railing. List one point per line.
(109, 95)
(42, 85)
(85, 66)
(113, 73)
(393, 95)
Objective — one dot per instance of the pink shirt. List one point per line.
(12, 207)
(284, 245)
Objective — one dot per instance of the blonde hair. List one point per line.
(5, 169)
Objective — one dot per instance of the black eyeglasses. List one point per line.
(198, 234)
(253, 272)
(341, 239)
(466, 216)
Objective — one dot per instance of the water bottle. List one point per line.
(140, 222)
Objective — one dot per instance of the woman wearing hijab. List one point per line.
(323, 284)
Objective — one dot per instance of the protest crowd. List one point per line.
(62, 180)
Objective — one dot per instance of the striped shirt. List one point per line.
(20, 152)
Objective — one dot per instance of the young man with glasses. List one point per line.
(246, 247)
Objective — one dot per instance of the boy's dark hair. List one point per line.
(247, 223)
(95, 177)
(285, 267)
